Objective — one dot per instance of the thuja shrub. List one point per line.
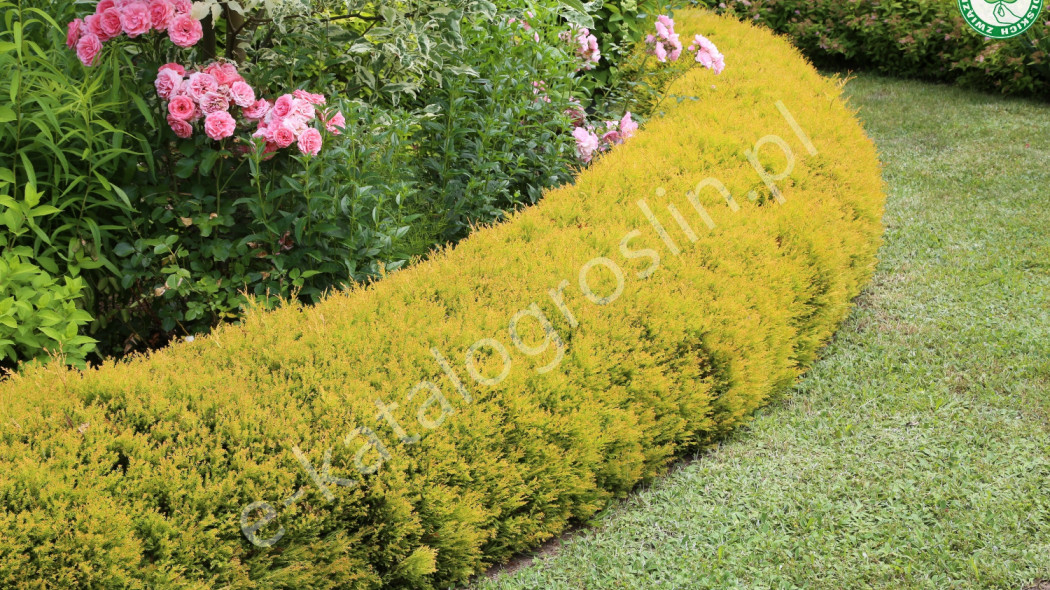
(921, 39)
(409, 433)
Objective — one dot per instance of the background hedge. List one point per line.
(136, 474)
(925, 39)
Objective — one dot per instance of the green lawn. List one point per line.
(916, 453)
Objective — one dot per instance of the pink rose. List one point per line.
(184, 30)
(225, 73)
(611, 138)
(219, 125)
(295, 124)
(336, 123)
(310, 142)
(303, 109)
(258, 110)
(311, 98)
(200, 84)
(707, 54)
(628, 126)
(104, 5)
(135, 19)
(182, 108)
(73, 32)
(213, 102)
(242, 94)
(587, 143)
(283, 106)
(282, 136)
(110, 24)
(91, 26)
(161, 12)
(88, 47)
(173, 66)
(181, 128)
(182, 6)
(168, 82)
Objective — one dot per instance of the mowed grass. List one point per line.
(916, 453)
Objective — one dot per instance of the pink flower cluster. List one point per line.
(664, 44)
(288, 121)
(213, 92)
(591, 141)
(586, 46)
(132, 18)
(208, 94)
(707, 54)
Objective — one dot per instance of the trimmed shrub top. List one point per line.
(547, 365)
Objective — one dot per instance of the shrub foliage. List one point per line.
(150, 472)
(925, 39)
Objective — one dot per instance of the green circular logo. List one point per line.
(1000, 19)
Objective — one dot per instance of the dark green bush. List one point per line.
(925, 39)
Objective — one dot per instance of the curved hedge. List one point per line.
(138, 474)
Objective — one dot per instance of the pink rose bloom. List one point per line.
(310, 142)
(88, 47)
(73, 32)
(587, 143)
(184, 30)
(303, 109)
(104, 5)
(295, 124)
(336, 124)
(182, 6)
(200, 84)
(91, 25)
(665, 45)
(310, 97)
(258, 110)
(282, 136)
(242, 94)
(181, 128)
(213, 102)
(225, 73)
(182, 108)
(283, 106)
(161, 12)
(219, 125)
(135, 19)
(707, 54)
(628, 126)
(660, 52)
(173, 66)
(109, 22)
(611, 138)
(168, 82)
(263, 131)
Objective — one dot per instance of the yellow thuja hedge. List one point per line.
(297, 428)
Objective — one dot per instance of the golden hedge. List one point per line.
(155, 472)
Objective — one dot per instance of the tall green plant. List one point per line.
(63, 152)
